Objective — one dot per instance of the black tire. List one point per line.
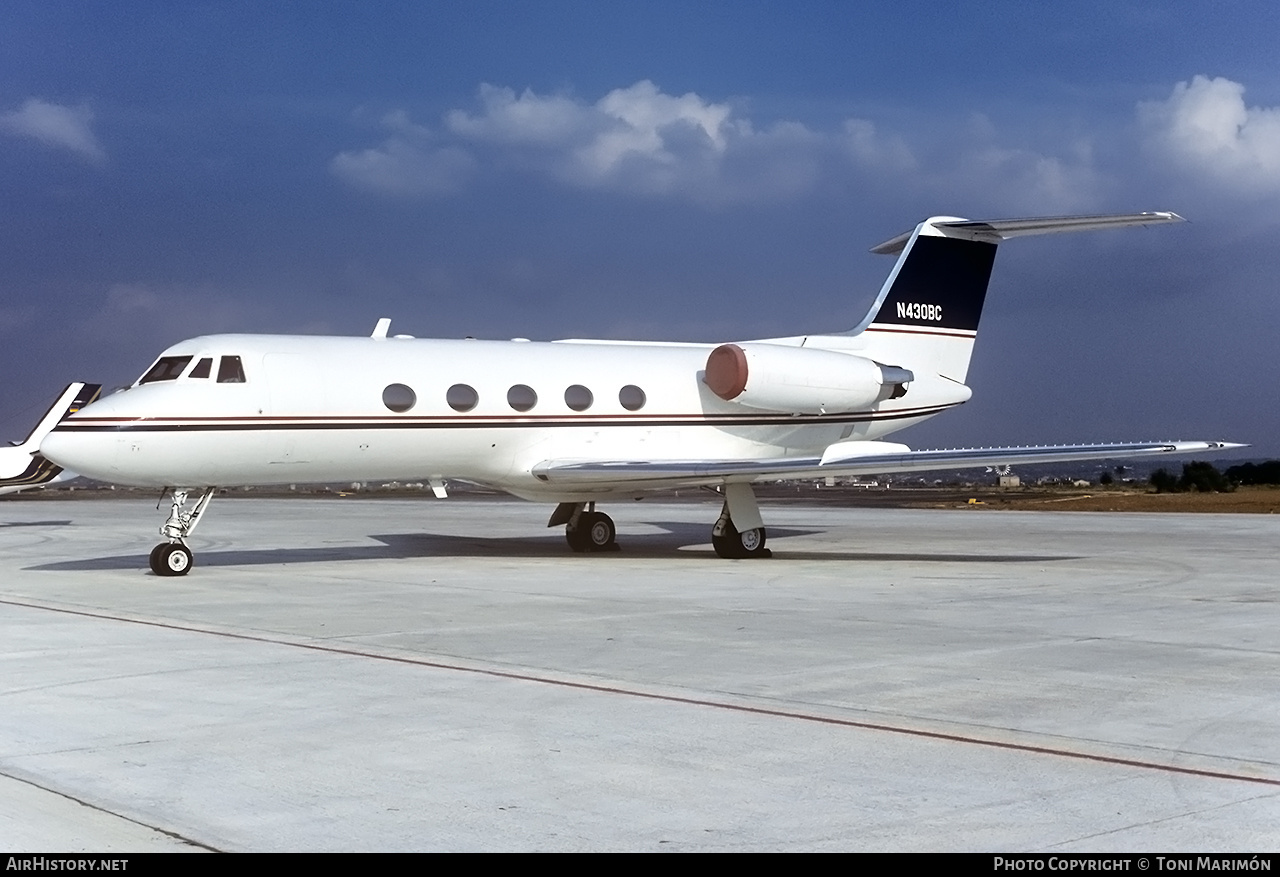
(579, 538)
(594, 532)
(733, 545)
(173, 559)
(154, 559)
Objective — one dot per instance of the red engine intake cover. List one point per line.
(726, 373)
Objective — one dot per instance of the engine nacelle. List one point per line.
(801, 380)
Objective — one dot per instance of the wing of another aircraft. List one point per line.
(842, 460)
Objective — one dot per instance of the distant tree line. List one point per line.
(1255, 473)
(1205, 478)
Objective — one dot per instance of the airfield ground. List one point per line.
(1260, 500)
(1243, 500)
(357, 674)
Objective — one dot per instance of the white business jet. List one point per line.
(21, 464)
(574, 422)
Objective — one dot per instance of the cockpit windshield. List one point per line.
(167, 368)
(230, 371)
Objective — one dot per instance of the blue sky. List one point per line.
(694, 171)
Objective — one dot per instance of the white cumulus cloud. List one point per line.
(868, 147)
(1206, 126)
(409, 163)
(1024, 180)
(636, 140)
(528, 118)
(55, 125)
(644, 124)
(642, 141)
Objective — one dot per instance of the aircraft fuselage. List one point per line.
(338, 409)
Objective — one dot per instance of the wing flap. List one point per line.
(675, 473)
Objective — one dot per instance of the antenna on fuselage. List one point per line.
(380, 330)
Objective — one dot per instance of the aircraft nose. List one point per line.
(80, 445)
(85, 453)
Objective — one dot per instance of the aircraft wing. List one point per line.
(843, 460)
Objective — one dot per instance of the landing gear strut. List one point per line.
(173, 557)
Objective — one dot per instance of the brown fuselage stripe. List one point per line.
(265, 423)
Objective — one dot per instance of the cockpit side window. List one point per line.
(202, 368)
(230, 371)
(167, 368)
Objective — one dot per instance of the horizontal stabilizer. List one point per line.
(996, 230)
(675, 473)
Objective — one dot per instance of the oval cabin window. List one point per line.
(522, 397)
(462, 398)
(578, 398)
(631, 397)
(399, 398)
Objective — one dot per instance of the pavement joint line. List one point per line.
(83, 803)
(668, 698)
(1176, 817)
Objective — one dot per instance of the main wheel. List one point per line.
(733, 545)
(601, 532)
(171, 559)
(594, 532)
(752, 542)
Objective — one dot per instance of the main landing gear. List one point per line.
(173, 557)
(734, 544)
(738, 534)
(585, 529)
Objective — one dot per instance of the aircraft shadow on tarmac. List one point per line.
(665, 545)
(4, 524)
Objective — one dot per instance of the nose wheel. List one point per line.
(173, 557)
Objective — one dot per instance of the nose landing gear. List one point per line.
(173, 557)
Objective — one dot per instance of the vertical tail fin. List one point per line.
(927, 312)
(939, 282)
(21, 465)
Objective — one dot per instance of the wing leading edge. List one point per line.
(888, 458)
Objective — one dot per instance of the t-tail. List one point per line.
(926, 316)
(21, 464)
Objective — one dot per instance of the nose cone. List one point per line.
(87, 453)
(82, 443)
